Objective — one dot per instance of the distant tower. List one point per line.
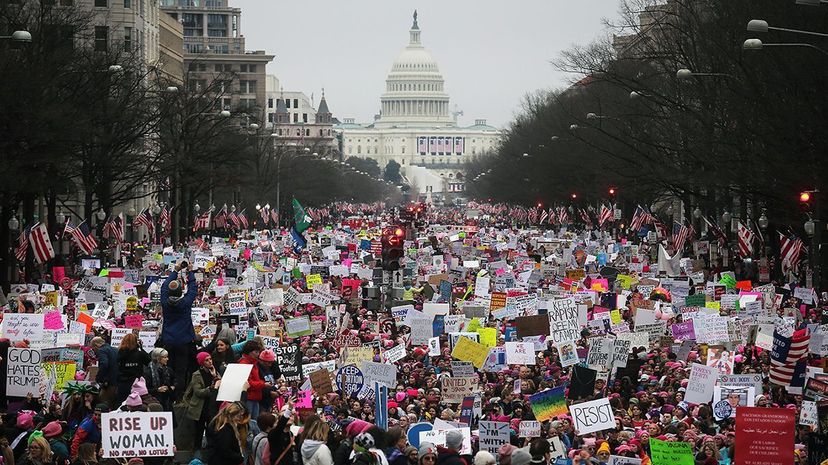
(323, 115)
(282, 115)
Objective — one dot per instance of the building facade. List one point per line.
(417, 128)
(214, 48)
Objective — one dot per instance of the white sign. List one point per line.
(530, 429)
(600, 351)
(394, 354)
(434, 347)
(137, 434)
(493, 434)
(520, 353)
(23, 326)
(592, 416)
(438, 438)
(461, 369)
(23, 373)
(700, 386)
(232, 382)
(381, 373)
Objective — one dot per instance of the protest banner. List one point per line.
(23, 372)
(535, 325)
(621, 352)
(461, 369)
(520, 353)
(438, 438)
(592, 416)
(548, 404)
(232, 382)
(493, 434)
(62, 371)
(470, 351)
(600, 350)
(454, 389)
(529, 429)
(563, 320)
(671, 452)
(765, 436)
(385, 374)
(137, 434)
(700, 385)
(754, 380)
(298, 327)
(290, 361)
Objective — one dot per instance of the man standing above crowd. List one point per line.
(177, 333)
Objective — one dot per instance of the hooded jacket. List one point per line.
(316, 453)
(178, 323)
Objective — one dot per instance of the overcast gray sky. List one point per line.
(490, 52)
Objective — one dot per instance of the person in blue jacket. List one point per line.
(177, 333)
(107, 377)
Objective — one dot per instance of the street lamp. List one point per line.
(810, 227)
(697, 213)
(13, 223)
(19, 36)
(100, 214)
(156, 209)
(225, 113)
(726, 217)
(115, 69)
(761, 26)
(757, 44)
(685, 74)
(196, 207)
(763, 220)
(60, 217)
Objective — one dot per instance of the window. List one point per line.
(216, 25)
(296, 118)
(127, 38)
(193, 24)
(127, 3)
(247, 87)
(304, 117)
(287, 103)
(359, 149)
(101, 3)
(248, 68)
(247, 103)
(226, 103)
(270, 103)
(197, 85)
(270, 117)
(403, 150)
(224, 68)
(194, 48)
(296, 103)
(101, 38)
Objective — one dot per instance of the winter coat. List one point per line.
(316, 453)
(176, 311)
(449, 457)
(199, 391)
(107, 366)
(225, 446)
(257, 384)
(131, 363)
(279, 440)
(156, 376)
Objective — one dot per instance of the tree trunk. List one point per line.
(6, 245)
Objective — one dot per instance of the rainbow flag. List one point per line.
(549, 404)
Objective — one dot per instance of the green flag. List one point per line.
(301, 220)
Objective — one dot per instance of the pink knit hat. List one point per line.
(134, 400)
(201, 357)
(140, 387)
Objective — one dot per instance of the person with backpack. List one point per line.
(177, 333)
(266, 423)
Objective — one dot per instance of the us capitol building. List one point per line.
(417, 128)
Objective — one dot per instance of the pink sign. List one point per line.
(53, 320)
(134, 321)
(58, 273)
(304, 400)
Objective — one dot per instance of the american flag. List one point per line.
(203, 221)
(786, 353)
(746, 237)
(585, 217)
(791, 250)
(114, 228)
(640, 218)
(543, 216)
(605, 215)
(145, 218)
(551, 219)
(243, 219)
(661, 228)
(41, 243)
(680, 235)
(563, 215)
(717, 231)
(165, 221)
(533, 216)
(220, 219)
(22, 245)
(83, 238)
(376, 247)
(234, 218)
(274, 216)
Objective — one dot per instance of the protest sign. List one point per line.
(321, 382)
(470, 351)
(290, 362)
(23, 372)
(563, 320)
(461, 369)
(600, 350)
(137, 434)
(297, 327)
(754, 380)
(535, 325)
(62, 372)
(592, 416)
(329, 365)
(529, 429)
(671, 452)
(454, 389)
(394, 354)
(349, 380)
(385, 374)
(700, 385)
(232, 382)
(520, 353)
(23, 326)
(548, 404)
(621, 460)
(683, 331)
(764, 436)
(493, 434)
(621, 352)
(438, 438)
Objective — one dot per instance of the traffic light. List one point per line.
(805, 201)
(392, 247)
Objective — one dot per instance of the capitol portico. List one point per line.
(416, 126)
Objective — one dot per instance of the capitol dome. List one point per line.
(414, 91)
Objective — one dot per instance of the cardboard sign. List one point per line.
(297, 327)
(290, 361)
(520, 353)
(592, 416)
(470, 351)
(438, 438)
(137, 434)
(676, 453)
(563, 320)
(529, 429)
(548, 403)
(455, 389)
(535, 325)
(321, 382)
(385, 374)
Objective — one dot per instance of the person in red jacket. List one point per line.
(250, 356)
